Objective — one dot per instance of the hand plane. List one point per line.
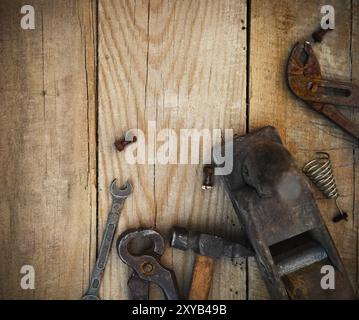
(274, 202)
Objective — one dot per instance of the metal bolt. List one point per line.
(208, 171)
(122, 143)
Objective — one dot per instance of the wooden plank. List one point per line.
(355, 79)
(47, 148)
(196, 79)
(123, 46)
(275, 27)
(180, 64)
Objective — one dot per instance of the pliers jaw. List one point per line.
(303, 62)
(146, 266)
(306, 82)
(303, 71)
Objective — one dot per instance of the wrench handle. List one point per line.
(105, 248)
(331, 112)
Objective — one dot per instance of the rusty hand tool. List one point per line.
(118, 195)
(208, 248)
(306, 82)
(147, 267)
(277, 210)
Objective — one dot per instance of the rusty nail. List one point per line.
(122, 143)
(340, 217)
(208, 171)
(319, 34)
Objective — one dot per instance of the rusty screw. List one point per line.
(319, 34)
(208, 171)
(122, 143)
(341, 216)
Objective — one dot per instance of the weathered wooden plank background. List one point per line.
(47, 148)
(91, 70)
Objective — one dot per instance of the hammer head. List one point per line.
(206, 244)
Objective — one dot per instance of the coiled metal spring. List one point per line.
(319, 171)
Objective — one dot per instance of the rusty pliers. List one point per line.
(306, 82)
(146, 266)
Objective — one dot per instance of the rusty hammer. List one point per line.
(208, 248)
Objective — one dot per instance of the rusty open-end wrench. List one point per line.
(147, 267)
(306, 82)
(118, 195)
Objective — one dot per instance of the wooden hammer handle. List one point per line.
(201, 278)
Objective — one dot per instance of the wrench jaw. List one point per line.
(120, 193)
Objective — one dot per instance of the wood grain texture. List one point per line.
(47, 148)
(197, 79)
(181, 64)
(202, 278)
(123, 45)
(275, 27)
(355, 79)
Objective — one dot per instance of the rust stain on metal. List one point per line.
(306, 82)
